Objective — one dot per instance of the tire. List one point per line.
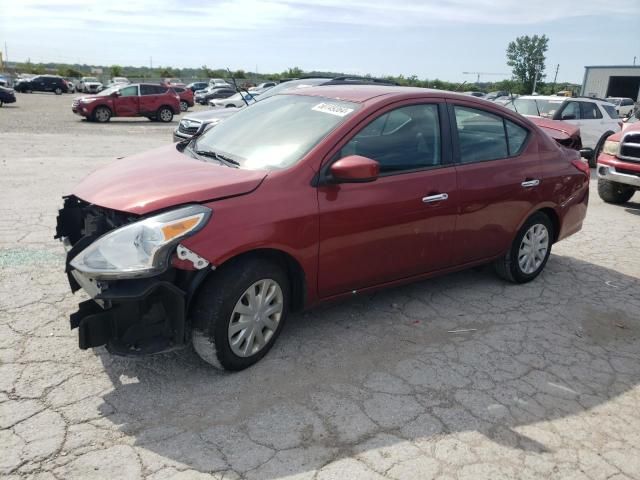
(1, 103)
(510, 267)
(215, 315)
(184, 106)
(613, 192)
(101, 114)
(58, 91)
(593, 161)
(164, 114)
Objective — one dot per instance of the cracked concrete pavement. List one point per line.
(536, 381)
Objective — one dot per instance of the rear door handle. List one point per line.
(435, 198)
(530, 183)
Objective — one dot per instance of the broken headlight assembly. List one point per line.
(142, 248)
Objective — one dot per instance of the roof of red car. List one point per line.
(363, 93)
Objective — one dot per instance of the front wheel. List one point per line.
(58, 91)
(184, 106)
(164, 114)
(239, 313)
(102, 114)
(613, 192)
(529, 251)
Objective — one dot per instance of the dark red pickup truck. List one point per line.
(156, 102)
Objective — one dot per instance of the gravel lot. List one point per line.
(461, 377)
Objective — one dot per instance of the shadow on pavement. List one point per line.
(461, 353)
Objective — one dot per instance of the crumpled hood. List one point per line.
(162, 178)
(556, 129)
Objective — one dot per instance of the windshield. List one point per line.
(90, 79)
(108, 91)
(275, 133)
(281, 87)
(536, 107)
(615, 101)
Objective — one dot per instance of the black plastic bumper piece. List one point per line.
(145, 316)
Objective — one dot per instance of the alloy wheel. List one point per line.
(255, 317)
(533, 248)
(165, 115)
(102, 115)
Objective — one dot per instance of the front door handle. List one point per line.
(435, 198)
(530, 183)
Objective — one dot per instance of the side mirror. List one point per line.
(354, 169)
(586, 153)
(568, 117)
(116, 93)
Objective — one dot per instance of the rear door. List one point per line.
(151, 98)
(498, 173)
(403, 223)
(127, 104)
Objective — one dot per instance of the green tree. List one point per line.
(116, 71)
(292, 73)
(526, 57)
(239, 74)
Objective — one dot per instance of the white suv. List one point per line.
(596, 118)
(624, 106)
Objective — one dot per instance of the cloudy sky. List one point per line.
(428, 38)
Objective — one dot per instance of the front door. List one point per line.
(403, 223)
(126, 105)
(498, 178)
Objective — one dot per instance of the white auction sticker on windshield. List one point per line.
(333, 109)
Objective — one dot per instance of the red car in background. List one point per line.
(186, 97)
(156, 102)
(619, 165)
(306, 197)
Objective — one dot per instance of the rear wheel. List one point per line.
(613, 192)
(102, 114)
(184, 106)
(164, 114)
(529, 251)
(239, 313)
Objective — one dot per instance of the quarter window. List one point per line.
(516, 137)
(407, 138)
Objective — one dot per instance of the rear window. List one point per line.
(152, 89)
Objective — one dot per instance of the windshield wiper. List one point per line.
(217, 156)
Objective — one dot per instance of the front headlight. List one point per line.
(87, 100)
(611, 147)
(142, 248)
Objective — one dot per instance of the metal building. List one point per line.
(611, 81)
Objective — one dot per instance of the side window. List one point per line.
(571, 111)
(590, 111)
(131, 91)
(516, 137)
(407, 138)
(611, 111)
(481, 135)
(152, 89)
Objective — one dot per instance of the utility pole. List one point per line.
(634, 57)
(151, 63)
(555, 77)
(535, 81)
(6, 54)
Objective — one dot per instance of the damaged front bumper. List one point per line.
(128, 316)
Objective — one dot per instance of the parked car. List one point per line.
(476, 94)
(624, 106)
(89, 85)
(596, 118)
(120, 81)
(619, 166)
(493, 95)
(203, 96)
(219, 82)
(7, 95)
(564, 133)
(186, 97)
(4, 81)
(196, 123)
(263, 86)
(156, 102)
(238, 100)
(173, 82)
(197, 86)
(43, 83)
(290, 203)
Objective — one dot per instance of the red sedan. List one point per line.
(310, 196)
